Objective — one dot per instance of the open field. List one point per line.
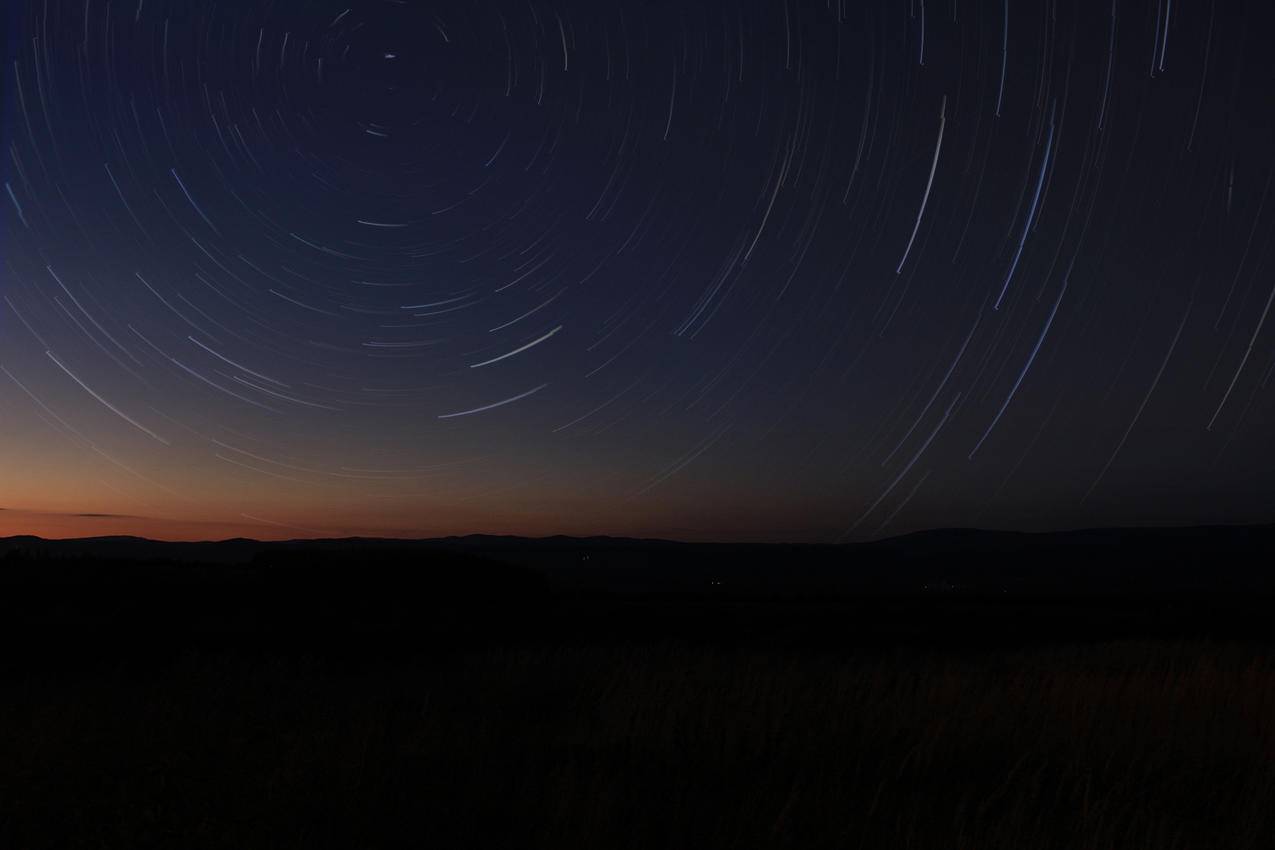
(951, 691)
(1131, 744)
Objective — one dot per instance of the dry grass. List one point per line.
(1124, 745)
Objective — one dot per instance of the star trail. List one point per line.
(755, 270)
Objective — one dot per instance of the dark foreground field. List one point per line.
(140, 712)
(1121, 745)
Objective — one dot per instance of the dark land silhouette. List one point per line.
(954, 688)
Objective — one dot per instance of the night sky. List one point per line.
(744, 271)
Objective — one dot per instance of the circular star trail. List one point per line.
(751, 270)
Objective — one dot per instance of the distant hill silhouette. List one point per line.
(949, 581)
(1084, 561)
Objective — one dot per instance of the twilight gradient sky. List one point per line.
(742, 270)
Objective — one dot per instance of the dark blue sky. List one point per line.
(753, 270)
